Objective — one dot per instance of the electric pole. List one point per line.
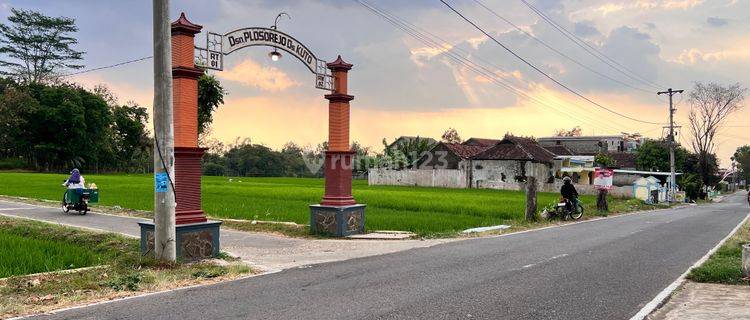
(164, 196)
(672, 179)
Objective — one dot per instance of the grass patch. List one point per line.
(123, 271)
(20, 255)
(422, 210)
(724, 266)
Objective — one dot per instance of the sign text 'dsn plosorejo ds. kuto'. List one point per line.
(268, 37)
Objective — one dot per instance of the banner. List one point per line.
(603, 179)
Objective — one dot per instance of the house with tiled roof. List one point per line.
(510, 162)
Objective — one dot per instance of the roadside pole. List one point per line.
(164, 196)
(672, 179)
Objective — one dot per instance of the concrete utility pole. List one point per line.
(672, 179)
(734, 175)
(164, 197)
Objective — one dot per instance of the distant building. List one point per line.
(591, 145)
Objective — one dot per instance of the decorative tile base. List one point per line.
(338, 221)
(195, 241)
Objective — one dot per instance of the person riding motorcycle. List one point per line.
(75, 181)
(568, 191)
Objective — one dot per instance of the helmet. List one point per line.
(566, 179)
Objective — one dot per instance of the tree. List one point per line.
(742, 156)
(605, 160)
(451, 136)
(406, 153)
(210, 97)
(711, 104)
(36, 46)
(131, 142)
(653, 155)
(575, 132)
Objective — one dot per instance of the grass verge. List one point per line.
(724, 265)
(122, 272)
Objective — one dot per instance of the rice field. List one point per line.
(422, 210)
(21, 255)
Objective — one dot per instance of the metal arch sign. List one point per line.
(218, 45)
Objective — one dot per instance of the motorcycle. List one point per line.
(565, 209)
(78, 200)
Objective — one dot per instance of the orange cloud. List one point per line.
(252, 74)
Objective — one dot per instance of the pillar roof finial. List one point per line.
(339, 65)
(183, 26)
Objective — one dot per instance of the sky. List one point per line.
(404, 86)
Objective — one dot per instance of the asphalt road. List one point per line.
(605, 269)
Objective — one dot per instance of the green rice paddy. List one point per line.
(426, 211)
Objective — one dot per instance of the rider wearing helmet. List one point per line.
(568, 191)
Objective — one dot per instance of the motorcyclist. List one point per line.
(568, 191)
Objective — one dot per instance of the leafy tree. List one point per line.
(605, 160)
(210, 97)
(451, 136)
(742, 156)
(131, 142)
(653, 155)
(36, 46)
(406, 153)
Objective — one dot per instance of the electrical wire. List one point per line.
(107, 67)
(540, 71)
(588, 48)
(542, 42)
(477, 68)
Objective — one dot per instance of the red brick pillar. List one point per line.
(338, 162)
(185, 95)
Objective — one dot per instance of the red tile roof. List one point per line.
(464, 151)
(481, 142)
(559, 150)
(517, 148)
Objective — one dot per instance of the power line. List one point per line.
(475, 67)
(107, 67)
(583, 44)
(422, 35)
(493, 12)
(542, 72)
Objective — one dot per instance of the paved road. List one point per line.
(605, 269)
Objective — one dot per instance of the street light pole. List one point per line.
(672, 179)
(164, 196)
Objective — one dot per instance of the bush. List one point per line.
(692, 185)
(213, 169)
(13, 163)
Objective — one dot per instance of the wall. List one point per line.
(506, 172)
(486, 178)
(448, 178)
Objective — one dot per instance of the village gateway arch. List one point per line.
(337, 214)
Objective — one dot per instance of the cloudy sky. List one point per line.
(453, 75)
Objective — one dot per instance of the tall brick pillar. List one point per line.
(185, 96)
(338, 214)
(197, 238)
